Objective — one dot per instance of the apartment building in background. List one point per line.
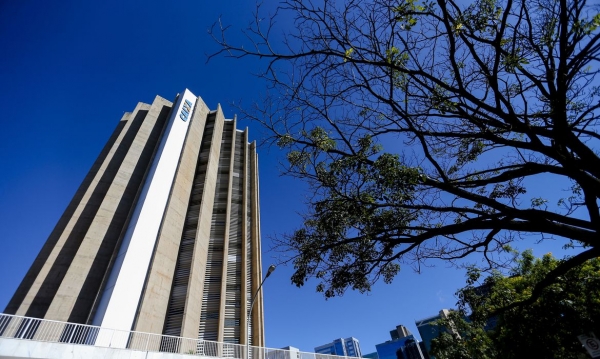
(343, 347)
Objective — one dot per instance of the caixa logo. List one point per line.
(185, 110)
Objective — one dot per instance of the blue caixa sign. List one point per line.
(185, 110)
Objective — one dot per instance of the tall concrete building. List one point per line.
(163, 234)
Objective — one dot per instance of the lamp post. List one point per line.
(269, 271)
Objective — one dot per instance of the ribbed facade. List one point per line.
(163, 234)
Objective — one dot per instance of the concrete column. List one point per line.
(58, 235)
(71, 287)
(245, 305)
(124, 287)
(193, 302)
(261, 313)
(64, 242)
(151, 314)
(257, 317)
(226, 238)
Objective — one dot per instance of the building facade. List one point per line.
(163, 234)
(400, 332)
(343, 347)
(373, 355)
(412, 349)
(430, 329)
(403, 345)
(406, 347)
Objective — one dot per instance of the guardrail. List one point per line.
(19, 327)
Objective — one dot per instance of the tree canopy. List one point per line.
(432, 129)
(547, 328)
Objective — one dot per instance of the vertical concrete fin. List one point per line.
(75, 297)
(257, 318)
(221, 334)
(120, 300)
(195, 286)
(62, 245)
(261, 316)
(245, 297)
(203, 234)
(43, 256)
(150, 317)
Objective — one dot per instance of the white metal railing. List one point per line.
(19, 327)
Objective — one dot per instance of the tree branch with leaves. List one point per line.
(423, 129)
(492, 322)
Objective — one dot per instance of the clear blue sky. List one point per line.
(68, 71)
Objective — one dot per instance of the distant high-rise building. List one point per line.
(400, 354)
(163, 234)
(412, 350)
(400, 332)
(342, 347)
(429, 329)
(402, 348)
(373, 355)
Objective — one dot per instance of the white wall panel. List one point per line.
(121, 296)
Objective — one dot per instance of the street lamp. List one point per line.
(269, 271)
